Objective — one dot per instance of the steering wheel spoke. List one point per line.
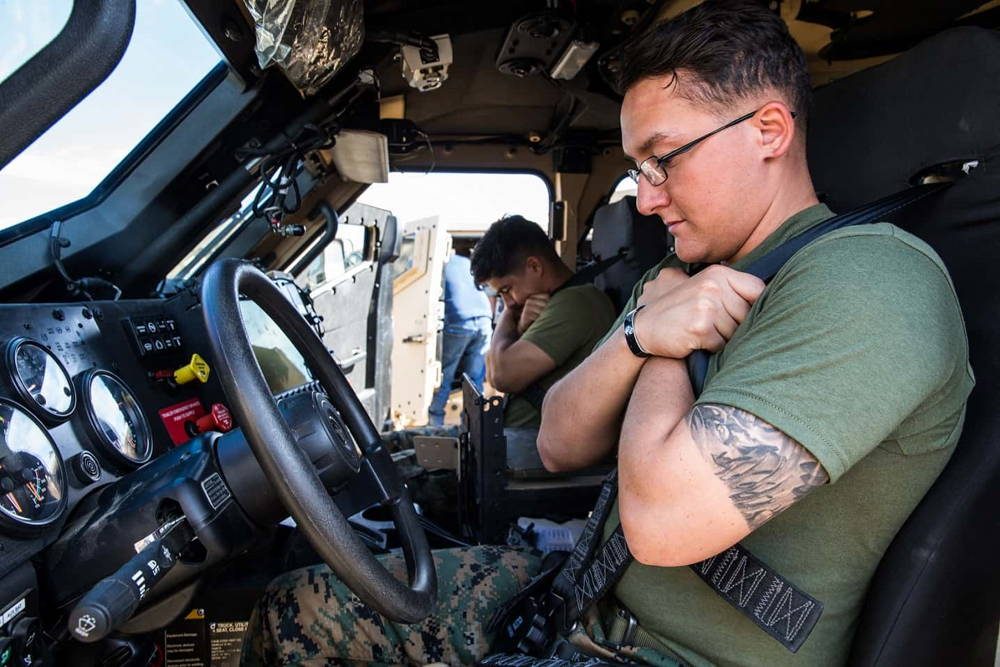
(383, 472)
(291, 470)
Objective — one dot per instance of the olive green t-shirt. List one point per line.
(567, 330)
(857, 350)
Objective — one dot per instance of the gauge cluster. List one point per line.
(32, 475)
(87, 395)
(114, 419)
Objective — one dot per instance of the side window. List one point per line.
(27, 28)
(463, 202)
(343, 253)
(166, 58)
(623, 188)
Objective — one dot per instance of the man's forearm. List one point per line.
(504, 335)
(582, 413)
(660, 399)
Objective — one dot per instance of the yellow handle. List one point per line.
(197, 369)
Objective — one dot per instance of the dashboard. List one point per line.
(114, 431)
(105, 412)
(87, 394)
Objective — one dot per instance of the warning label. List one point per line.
(185, 642)
(175, 418)
(227, 639)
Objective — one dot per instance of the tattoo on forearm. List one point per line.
(765, 470)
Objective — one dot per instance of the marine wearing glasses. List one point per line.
(654, 167)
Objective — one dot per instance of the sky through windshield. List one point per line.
(167, 57)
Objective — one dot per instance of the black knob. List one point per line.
(86, 467)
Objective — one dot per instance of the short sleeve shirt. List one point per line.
(857, 350)
(567, 330)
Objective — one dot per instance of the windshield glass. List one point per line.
(167, 57)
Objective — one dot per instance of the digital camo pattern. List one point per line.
(308, 617)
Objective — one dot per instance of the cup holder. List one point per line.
(377, 514)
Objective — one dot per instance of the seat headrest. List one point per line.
(939, 102)
(620, 226)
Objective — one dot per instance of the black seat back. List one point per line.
(644, 239)
(936, 594)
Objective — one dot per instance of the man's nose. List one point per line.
(649, 198)
(508, 300)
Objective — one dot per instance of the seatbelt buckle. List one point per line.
(557, 613)
(631, 626)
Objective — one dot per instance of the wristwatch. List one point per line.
(630, 339)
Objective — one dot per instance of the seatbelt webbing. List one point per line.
(773, 603)
(767, 266)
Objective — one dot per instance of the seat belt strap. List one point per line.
(768, 265)
(589, 272)
(773, 603)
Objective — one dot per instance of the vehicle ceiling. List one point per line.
(839, 37)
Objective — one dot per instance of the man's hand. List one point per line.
(697, 313)
(532, 308)
(666, 280)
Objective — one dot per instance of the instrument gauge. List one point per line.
(40, 379)
(114, 419)
(32, 476)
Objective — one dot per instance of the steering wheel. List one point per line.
(289, 470)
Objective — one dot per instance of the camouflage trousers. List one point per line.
(309, 617)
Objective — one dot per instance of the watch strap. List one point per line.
(629, 328)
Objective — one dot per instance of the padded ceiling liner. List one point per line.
(478, 98)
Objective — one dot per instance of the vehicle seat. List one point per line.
(936, 594)
(644, 239)
(501, 477)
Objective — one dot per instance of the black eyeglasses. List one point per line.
(653, 166)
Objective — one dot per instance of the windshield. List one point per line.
(166, 58)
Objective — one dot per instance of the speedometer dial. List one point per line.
(40, 379)
(32, 478)
(114, 418)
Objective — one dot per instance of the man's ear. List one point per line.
(777, 129)
(534, 266)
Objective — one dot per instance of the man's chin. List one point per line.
(690, 254)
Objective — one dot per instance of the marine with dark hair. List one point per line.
(547, 326)
(835, 394)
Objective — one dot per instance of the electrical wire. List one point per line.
(278, 194)
(430, 149)
(75, 286)
(435, 529)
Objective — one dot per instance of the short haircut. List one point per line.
(734, 50)
(506, 245)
